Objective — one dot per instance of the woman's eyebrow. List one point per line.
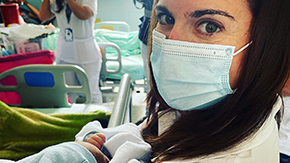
(200, 13)
(163, 9)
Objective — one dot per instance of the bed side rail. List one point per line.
(121, 112)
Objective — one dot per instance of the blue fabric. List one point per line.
(68, 13)
(284, 158)
(65, 152)
(128, 42)
(39, 79)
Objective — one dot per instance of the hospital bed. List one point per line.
(118, 32)
(120, 109)
(113, 25)
(49, 108)
(42, 87)
(12, 61)
(121, 50)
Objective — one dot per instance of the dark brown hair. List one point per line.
(265, 68)
(60, 5)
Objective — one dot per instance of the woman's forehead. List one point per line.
(188, 7)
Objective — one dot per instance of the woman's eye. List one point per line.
(209, 28)
(165, 19)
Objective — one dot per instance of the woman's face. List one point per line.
(224, 22)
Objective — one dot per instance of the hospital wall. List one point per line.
(110, 10)
(113, 10)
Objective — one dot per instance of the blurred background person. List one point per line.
(76, 43)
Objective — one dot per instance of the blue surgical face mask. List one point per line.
(190, 75)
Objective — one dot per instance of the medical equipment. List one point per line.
(116, 60)
(129, 45)
(54, 121)
(121, 112)
(126, 44)
(43, 86)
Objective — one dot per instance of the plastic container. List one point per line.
(10, 13)
(29, 46)
(22, 46)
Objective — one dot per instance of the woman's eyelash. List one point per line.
(159, 16)
(164, 19)
(212, 23)
(209, 27)
(204, 26)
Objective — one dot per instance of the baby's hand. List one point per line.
(97, 153)
(97, 140)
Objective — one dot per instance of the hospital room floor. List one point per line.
(138, 100)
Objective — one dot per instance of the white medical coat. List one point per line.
(83, 48)
(284, 132)
(261, 147)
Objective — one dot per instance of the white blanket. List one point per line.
(124, 143)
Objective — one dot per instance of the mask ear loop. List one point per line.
(243, 48)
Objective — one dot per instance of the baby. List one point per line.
(121, 144)
(92, 142)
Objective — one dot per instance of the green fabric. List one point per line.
(128, 42)
(50, 42)
(24, 131)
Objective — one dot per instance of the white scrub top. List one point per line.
(284, 131)
(76, 42)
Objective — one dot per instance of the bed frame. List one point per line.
(52, 95)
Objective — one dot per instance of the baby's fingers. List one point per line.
(97, 140)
